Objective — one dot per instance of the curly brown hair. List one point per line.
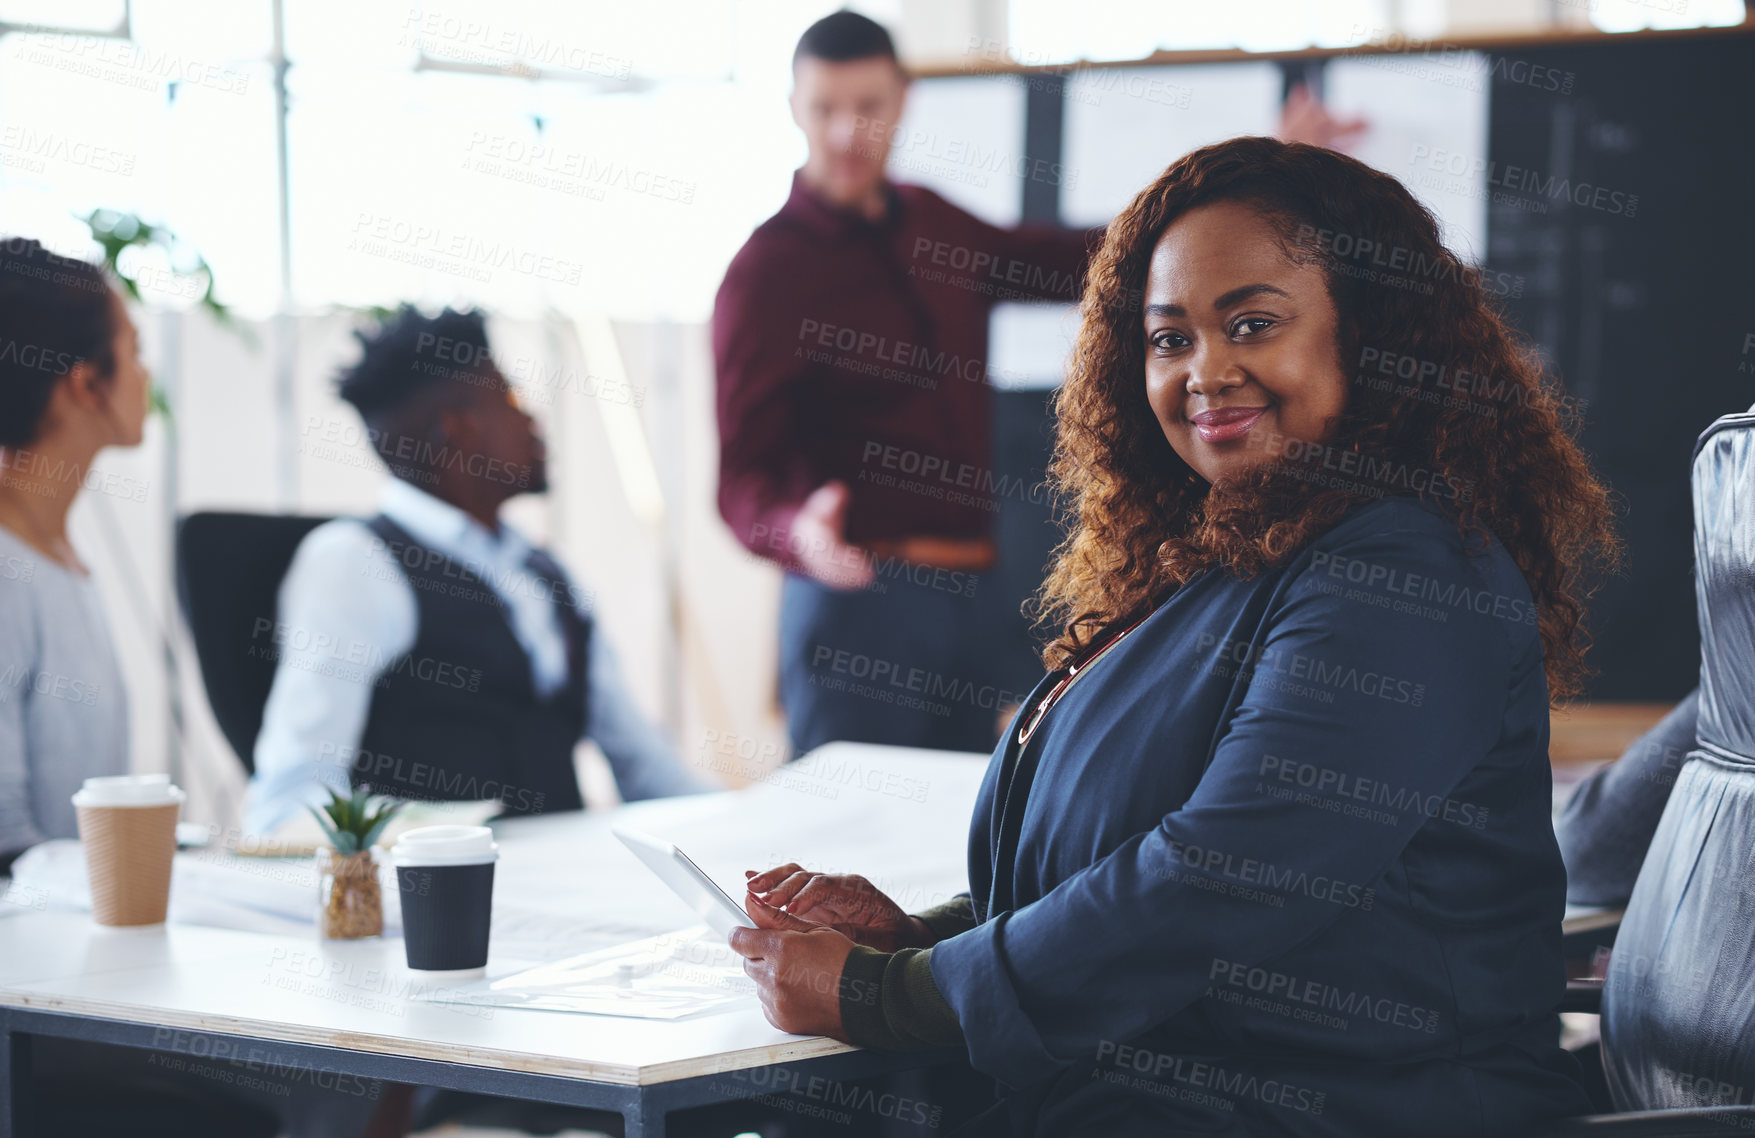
(1475, 410)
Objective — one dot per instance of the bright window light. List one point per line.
(1637, 15)
(205, 32)
(426, 163)
(93, 15)
(79, 130)
(1051, 31)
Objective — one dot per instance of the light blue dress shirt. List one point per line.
(344, 587)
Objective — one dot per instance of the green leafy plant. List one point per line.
(351, 821)
(116, 231)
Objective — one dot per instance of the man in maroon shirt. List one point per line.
(850, 336)
(855, 416)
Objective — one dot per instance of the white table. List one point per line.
(299, 1006)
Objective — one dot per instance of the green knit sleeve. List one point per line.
(949, 919)
(889, 1001)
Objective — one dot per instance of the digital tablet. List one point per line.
(687, 880)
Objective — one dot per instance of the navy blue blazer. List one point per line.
(1282, 862)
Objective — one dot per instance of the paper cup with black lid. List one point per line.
(445, 875)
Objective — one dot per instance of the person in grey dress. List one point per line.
(71, 384)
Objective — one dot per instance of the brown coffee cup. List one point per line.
(128, 826)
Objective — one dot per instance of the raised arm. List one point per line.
(764, 472)
(1031, 262)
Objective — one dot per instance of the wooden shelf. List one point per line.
(978, 65)
(1591, 732)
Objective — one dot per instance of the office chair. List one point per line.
(1678, 1004)
(229, 568)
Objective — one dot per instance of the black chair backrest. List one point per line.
(229, 568)
(1679, 1003)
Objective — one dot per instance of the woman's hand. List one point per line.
(845, 902)
(797, 969)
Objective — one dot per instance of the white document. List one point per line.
(1428, 115)
(963, 137)
(1125, 125)
(668, 976)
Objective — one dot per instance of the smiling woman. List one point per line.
(1276, 278)
(1225, 371)
(1269, 849)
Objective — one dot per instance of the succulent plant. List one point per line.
(352, 822)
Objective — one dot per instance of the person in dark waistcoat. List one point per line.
(1268, 850)
(432, 652)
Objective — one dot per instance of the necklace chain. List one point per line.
(1054, 693)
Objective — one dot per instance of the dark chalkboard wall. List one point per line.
(1643, 307)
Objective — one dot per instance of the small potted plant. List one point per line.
(350, 903)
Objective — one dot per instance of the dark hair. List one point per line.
(409, 354)
(1144, 523)
(841, 37)
(412, 369)
(54, 312)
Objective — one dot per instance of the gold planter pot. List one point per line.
(349, 902)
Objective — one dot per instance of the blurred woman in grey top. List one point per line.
(71, 383)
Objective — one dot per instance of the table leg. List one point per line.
(17, 1104)
(644, 1117)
